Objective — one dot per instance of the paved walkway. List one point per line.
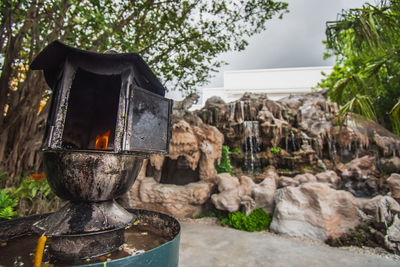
(206, 245)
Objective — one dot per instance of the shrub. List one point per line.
(7, 204)
(258, 220)
(237, 150)
(275, 150)
(225, 163)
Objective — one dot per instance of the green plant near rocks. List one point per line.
(35, 196)
(7, 205)
(225, 163)
(308, 167)
(258, 220)
(236, 150)
(275, 150)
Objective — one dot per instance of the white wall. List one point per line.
(277, 83)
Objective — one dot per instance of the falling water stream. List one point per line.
(233, 107)
(293, 138)
(252, 141)
(242, 109)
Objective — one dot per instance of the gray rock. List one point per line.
(390, 165)
(263, 194)
(392, 238)
(305, 178)
(329, 177)
(314, 211)
(379, 209)
(287, 181)
(394, 185)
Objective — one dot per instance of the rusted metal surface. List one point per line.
(77, 247)
(90, 176)
(108, 113)
(79, 218)
(73, 247)
(143, 120)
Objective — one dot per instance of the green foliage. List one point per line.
(34, 196)
(237, 150)
(366, 77)
(275, 150)
(225, 163)
(31, 189)
(180, 40)
(360, 104)
(258, 220)
(7, 204)
(308, 167)
(395, 117)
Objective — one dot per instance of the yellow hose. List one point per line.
(39, 251)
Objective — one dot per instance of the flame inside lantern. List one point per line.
(102, 141)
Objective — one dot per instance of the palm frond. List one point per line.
(360, 104)
(395, 117)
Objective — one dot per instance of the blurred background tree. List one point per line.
(366, 77)
(179, 39)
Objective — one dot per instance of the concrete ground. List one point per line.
(210, 245)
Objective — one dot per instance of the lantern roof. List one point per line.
(51, 60)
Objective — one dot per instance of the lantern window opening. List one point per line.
(91, 116)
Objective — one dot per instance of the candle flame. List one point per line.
(102, 141)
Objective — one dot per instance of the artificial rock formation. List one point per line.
(235, 194)
(295, 132)
(291, 159)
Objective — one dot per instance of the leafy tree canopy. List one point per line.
(366, 77)
(179, 39)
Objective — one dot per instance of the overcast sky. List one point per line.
(294, 41)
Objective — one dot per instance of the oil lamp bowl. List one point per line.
(90, 176)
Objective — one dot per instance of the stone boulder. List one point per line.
(381, 212)
(243, 193)
(287, 181)
(179, 201)
(392, 237)
(263, 194)
(394, 185)
(314, 211)
(359, 177)
(305, 178)
(270, 172)
(378, 210)
(390, 165)
(228, 197)
(329, 177)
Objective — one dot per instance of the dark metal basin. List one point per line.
(166, 254)
(90, 176)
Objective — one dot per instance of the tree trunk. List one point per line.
(23, 130)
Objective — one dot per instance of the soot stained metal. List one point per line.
(107, 114)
